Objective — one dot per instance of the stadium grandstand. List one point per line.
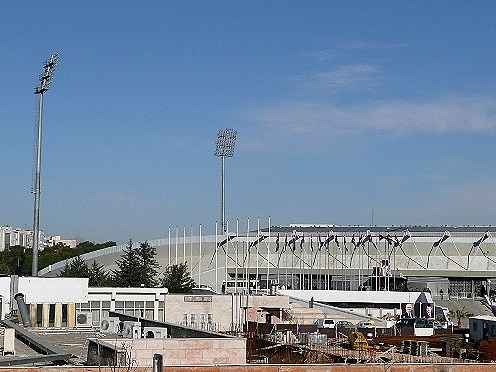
(446, 261)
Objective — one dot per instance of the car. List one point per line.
(366, 324)
(325, 323)
(344, 324)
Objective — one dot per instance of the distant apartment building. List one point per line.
(10, 237)
(54, 240)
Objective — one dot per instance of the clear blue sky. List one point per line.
(341, 108)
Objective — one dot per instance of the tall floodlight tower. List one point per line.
(45, 80)
(226, 139)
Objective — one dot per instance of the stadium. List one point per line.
(444, 260)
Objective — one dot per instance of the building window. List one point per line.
(51, 315)
(185, 319)
(475, 326)
(64, 315)
(197, 298)
(192, 319)
(39, 315)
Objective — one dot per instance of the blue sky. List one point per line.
(341, 108)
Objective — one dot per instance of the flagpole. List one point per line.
(359, 266)
(301, 253)
(226, 251)
(320, 263)
(286, 261)
(278, 247)
(311, 265)
(199, 261)
(257, 253)
(177, 232)
(328, 266)
(184, 244)
(237, 264)
(216, 252)
(191, 249)
(170, 247)
(247, 267)
(268, 260)
(292, 264)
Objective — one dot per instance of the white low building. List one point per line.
(70, 303)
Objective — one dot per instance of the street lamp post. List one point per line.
(226, 139)
(45, 80)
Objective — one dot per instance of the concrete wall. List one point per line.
(283, 368)
(180, 351)
(4, 296)
(227, 311)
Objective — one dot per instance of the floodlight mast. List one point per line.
(45, 80)
(226, 139)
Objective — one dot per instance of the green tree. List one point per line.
(98, 276)
(75, 268)
(137, 266)
(15, 260)
(177, 279)
(149, 264)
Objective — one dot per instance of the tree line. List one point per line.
(17, 260)
(137, 267)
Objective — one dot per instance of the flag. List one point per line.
(301, 242)
(396, 241)
(479, 242)
(353, 240)
(407, 236)
(387, 238)
(277, 242)
(291, 244)
(292, 241)
(344, 243)
(437, 243)
(329, 238)
(336, 240)
(311, 243)
(360, 240)
(286, 242)
(320, 242)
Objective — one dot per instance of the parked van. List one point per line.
(325, 323)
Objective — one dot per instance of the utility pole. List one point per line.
(45, 80)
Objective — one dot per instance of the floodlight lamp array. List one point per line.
(226, 139)
(47, 75)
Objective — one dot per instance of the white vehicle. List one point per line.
(325, 323)
(240, 286)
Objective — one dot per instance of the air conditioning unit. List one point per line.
(154, 332)
(84, 319)
(131, 329)
(109, 325)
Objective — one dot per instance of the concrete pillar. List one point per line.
(58, 315)
(33, 314)
(71, 315)
(45, 315)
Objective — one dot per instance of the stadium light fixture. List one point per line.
(45, 81)
(226, 140)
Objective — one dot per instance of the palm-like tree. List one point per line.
(459, 314)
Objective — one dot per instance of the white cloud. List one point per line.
(349, 76)
(446, 115)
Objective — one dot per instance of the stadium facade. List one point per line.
(444, 260)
